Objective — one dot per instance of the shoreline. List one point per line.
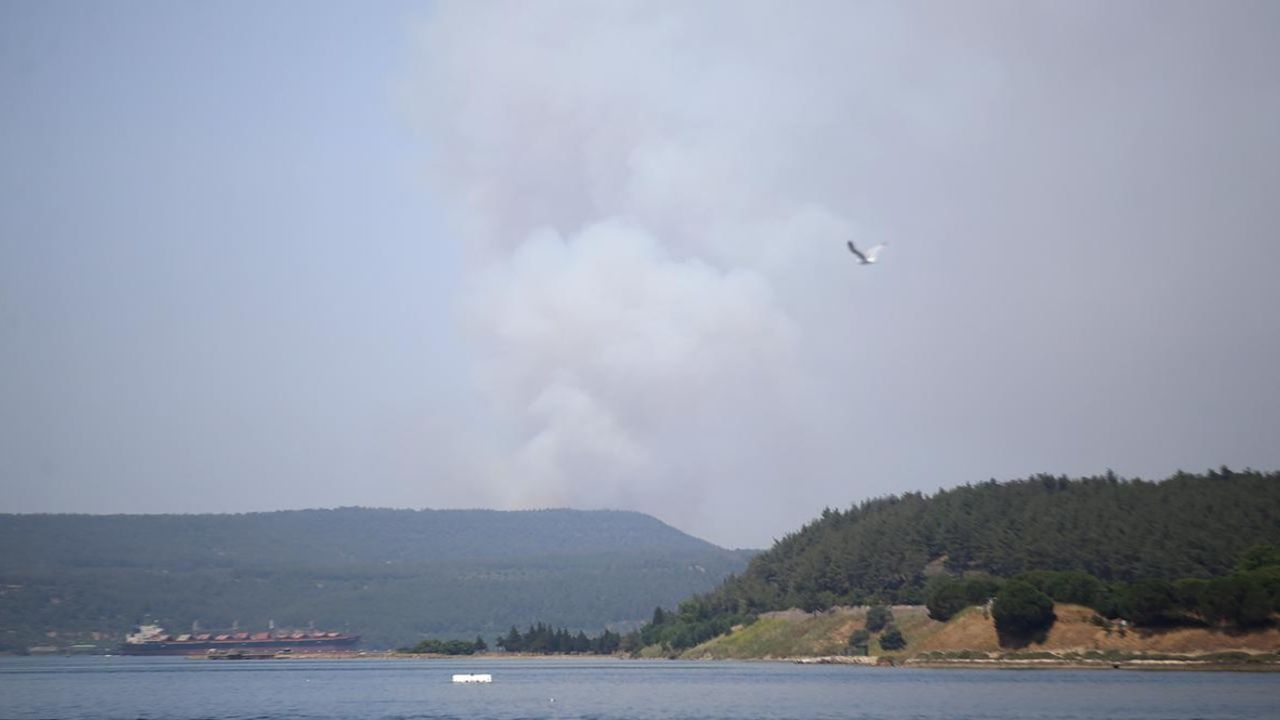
(866, 661)
(1161, 665)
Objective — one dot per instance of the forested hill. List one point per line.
(344, 536)
(393, 576)
(1114, 529)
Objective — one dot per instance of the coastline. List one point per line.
(1163, 665)
(866, 661)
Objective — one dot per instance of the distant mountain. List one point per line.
(391, 575)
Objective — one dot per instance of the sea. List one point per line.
(605, 689)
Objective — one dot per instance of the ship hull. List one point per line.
(201, 647)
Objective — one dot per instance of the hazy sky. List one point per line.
(266, 255)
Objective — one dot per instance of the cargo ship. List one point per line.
(154, 640)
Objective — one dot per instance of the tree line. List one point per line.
(447, 647)
(1245, 598)
(543, 639)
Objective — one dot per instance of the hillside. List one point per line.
(1076, 637)
(390, 575)
(1179, 551)
(1077, 631)
(1114, 529)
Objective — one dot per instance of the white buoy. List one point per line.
(473, 678)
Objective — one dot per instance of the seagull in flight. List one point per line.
(869, 256)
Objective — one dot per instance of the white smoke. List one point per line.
(654, 200)
(603, 344)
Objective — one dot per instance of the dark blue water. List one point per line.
(606, 689)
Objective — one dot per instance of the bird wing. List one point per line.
(854, 250)
(872, 254)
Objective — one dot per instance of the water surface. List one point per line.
(95, 687)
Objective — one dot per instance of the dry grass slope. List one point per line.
(1074, 632)
(797, 634)
(791, 633)
(794, 633)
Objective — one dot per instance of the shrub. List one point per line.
(1031, 655)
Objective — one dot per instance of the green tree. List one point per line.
(980, 588)
(1147, 602)
(878, 617)
(1189, 596)
(1067, 586)
(892, 639)
(1021, 611)
(513, 642)
(1241, 599)
(1255, 604)
(945, 598)
(1259, 556)
(1269, 578)
(813, 602)
(859, 641)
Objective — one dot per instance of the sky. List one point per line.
(275, 255)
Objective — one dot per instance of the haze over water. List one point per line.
(109, 688)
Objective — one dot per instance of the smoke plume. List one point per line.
(653, 200)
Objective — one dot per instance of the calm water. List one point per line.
(606, 689)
